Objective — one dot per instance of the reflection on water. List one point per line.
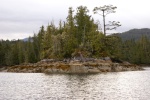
(106, 86)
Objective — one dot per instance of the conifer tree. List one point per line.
(107, 9)
(47, 43)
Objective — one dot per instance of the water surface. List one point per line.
(133, 85)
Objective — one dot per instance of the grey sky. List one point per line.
(23, 18)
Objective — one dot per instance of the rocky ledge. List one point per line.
(74, 66)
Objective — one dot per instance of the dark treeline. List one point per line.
(78, 34)
(135, 34)
(136, 51)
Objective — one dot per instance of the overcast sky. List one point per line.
(23, 18)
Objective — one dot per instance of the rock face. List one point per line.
(74, 66)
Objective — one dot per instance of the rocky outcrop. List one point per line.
(74, 66)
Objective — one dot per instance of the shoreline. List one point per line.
(73, 67)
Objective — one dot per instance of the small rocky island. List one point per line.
(89, 65)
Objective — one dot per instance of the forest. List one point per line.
(79, 33)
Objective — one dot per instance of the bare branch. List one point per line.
(112, 25)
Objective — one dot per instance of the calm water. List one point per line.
(107, 86)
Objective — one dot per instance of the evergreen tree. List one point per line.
(21, 52)
(47, 43)
(40, 39)
(82, 18)
(36, 47)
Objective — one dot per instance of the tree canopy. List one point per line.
(79, 34)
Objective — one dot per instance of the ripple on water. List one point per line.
(108, 86)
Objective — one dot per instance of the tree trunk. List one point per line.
(104, 23)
